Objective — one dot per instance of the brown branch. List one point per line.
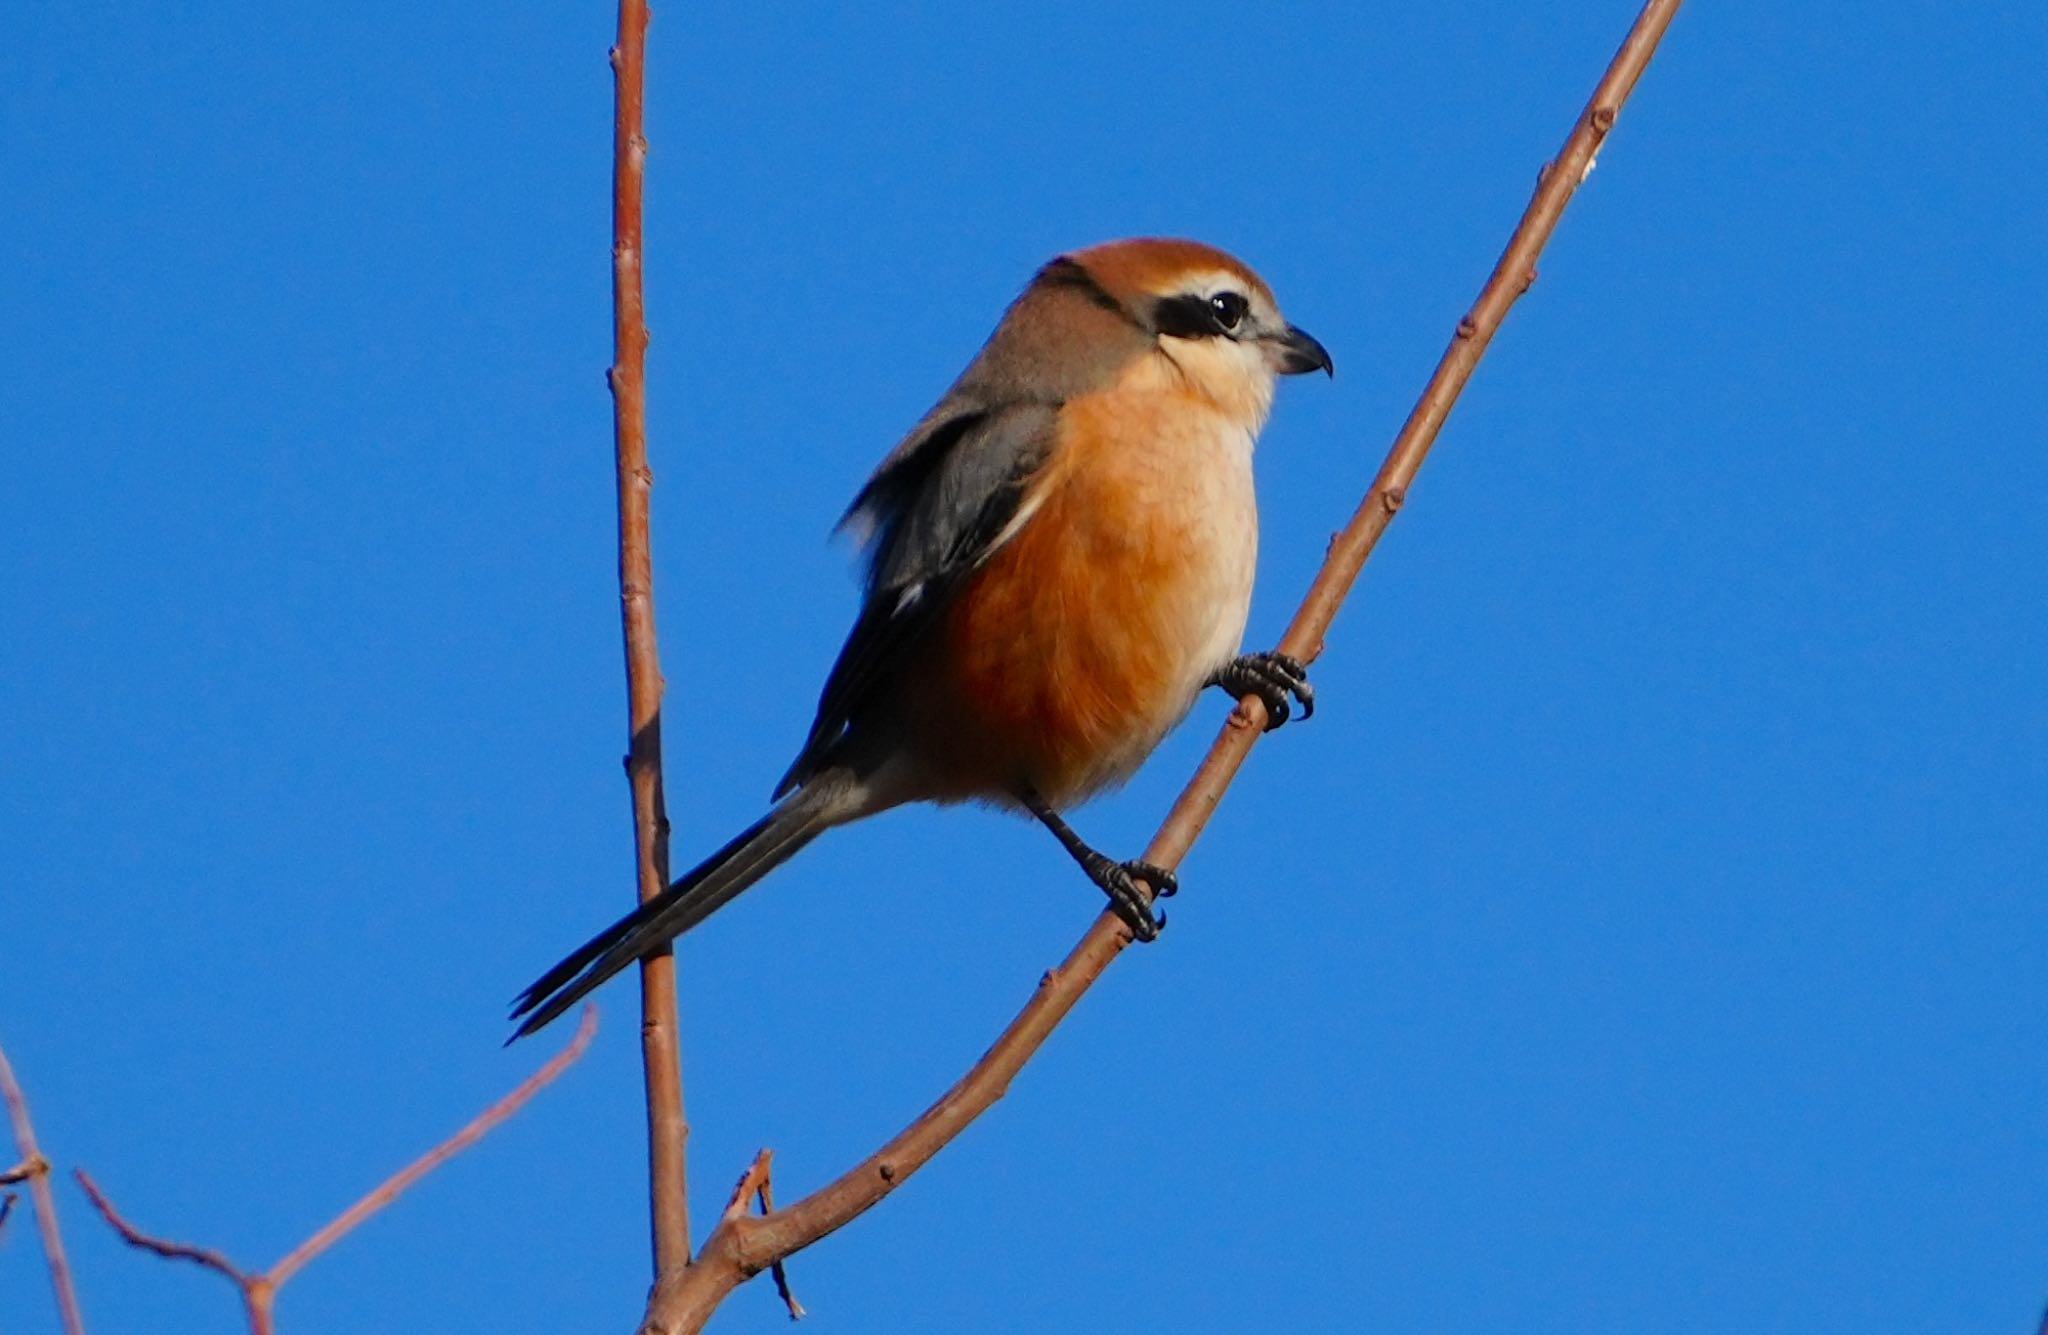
(259, 1290)
(668, 1131)
(401, 1181)
(258, 1293)
(34, 1169)
(766, 1194)
(170, 1251)
(741, 1246)
(758, 1182)
(6, 1208)
(749, 1183)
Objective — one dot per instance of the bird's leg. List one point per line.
(1117, 879)
(1272, 677)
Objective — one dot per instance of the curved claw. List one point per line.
(1272, 677)
(1130, 903)
(1162, 881)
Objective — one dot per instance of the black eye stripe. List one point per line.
(1193, 316)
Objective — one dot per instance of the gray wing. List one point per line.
(942, 501)
(935, 513)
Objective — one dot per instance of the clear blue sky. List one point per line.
(1646, 934)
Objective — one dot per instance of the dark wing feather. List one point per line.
(935, 511)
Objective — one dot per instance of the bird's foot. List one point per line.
(1272, 677)
(1119, 880)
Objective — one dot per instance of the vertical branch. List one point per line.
(667, 1131)
(34, 1169)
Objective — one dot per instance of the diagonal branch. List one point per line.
(34, 1169)
(742, 1246)
(403, 1180)
(258, 1290)
(668, 1131)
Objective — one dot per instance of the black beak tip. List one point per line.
(1301, 352)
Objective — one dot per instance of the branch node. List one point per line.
(886, 1169)
(35, 1165)
(1603, 117)
(35, 1170)
(1393, 498)
(1468, 328)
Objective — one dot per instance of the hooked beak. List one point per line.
(1297, 351)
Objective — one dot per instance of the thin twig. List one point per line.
(779, 1269)
(750, 1182)
(258, 1293)
(6, 1208)
(170, 1251)
(398, 1183)
(742, 1247)
(668, 1130)
(259, 1290)
(34, 1169)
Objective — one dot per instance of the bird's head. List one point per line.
(1213, 319)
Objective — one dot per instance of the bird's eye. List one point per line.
(1230, 308)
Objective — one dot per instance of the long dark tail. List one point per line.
(719, 879)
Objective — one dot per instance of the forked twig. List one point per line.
(34, 1170)
(258, 1290)
(758, 1182)
(742, 1246)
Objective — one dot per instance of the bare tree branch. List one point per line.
(401, 1181)
(765, 1193)
(668, 1130)
(742, 1246)
(259, 1290)
(34, 1169)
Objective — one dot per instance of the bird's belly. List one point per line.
(1086, 638)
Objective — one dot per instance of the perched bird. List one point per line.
(1060, 558)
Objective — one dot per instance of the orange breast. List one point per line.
(1085, 638)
